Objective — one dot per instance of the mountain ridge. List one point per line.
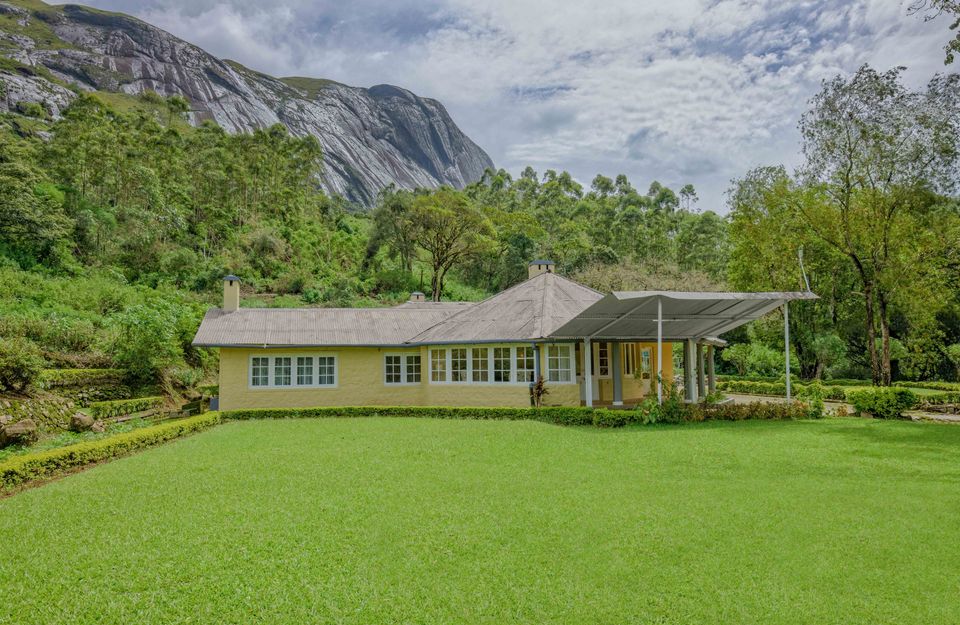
(371, 137)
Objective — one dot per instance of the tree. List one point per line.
(874, 151)
(393, 227)
(688, 196)
(932, 9)
(450, 229)
(953, 354)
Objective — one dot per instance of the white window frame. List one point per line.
(597, 367)
(516, 363)
(646, 363)
(490, 360)
(487, 360)
(404, 365)
(446, 365)
(293, 386)
(571, 367)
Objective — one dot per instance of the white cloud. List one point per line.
(686, 91)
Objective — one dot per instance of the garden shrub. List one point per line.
(940, 399)
(933, 386)
(27, 467)
(20, 363)
(107, 409)
(757, 411)
(54, 378)
(882, 403)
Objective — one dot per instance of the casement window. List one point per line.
(259, 371)
(629, 358)
(300, 371)
(501, 364)
(458, 364)
(603, 360)
(304, 370)
(480, 363)
(645, 364)
(401, 369)
(438, 365)
(525, 366)
(559, 363)
(282, 371)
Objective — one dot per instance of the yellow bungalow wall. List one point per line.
(360, 382)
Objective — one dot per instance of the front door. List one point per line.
(595, 381)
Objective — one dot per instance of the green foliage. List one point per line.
(148, 339)
(20, 363)
(121, 407)
(55, 378)
(754, 358)
(45, 464)
(811, 391)
(936, 386)
(882, 403)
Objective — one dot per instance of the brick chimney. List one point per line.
(537, 267)
(231, 293)
(418, 296)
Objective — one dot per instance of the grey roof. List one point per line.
(532, 309)
(686, 315)
(310, 327)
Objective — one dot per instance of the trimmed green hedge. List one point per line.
(53, 378)
(780, 389)
(599, 417)
(120, 407)
(20, 469)
(940, 399)
(883, 402)
(759, 411)
(933, 386)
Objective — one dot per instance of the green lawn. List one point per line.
(434, 521)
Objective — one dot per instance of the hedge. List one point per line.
(883, 402)
(52, 378)
(120, 407)
(759, 411)
(20, 469)
(600, 417)
(780, 388)
(940, 399)
(933, 386)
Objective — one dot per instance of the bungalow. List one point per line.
(474, 354)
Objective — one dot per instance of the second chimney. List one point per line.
(537, 267)
(231, 293)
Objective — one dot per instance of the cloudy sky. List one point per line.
(682, 91)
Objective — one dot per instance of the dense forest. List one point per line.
(118, 220)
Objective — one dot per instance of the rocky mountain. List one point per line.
(371, 137)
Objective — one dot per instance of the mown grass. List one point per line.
(434, 521)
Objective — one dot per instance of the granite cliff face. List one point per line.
(371, 137)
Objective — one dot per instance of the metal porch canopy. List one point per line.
(633, 315)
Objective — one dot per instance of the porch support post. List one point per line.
(536, 362)
(786, 342)
(701, 373)
(659, 350)
(617, 374)
(689, 383)
(587, 373)
(711, 373)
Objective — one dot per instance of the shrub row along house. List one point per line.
(488, 353)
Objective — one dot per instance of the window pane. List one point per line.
(481, 364)
(304, 370)
(260, 371)
(326, 370)
(438, 365)
(393, 372)
(458, 364)
(603, 359)
(559, 363)
(645, 363)
(525, 364)
(282, 367)
(501, 364)
(413, 369)
(628, 351)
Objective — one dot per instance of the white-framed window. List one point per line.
(282, 368)
(525, 366)
(293, 371)
(603, 360)
(629, 358)
(438, 365)
(260, 371)
(304, 370)
(559, 363)
(501, 364)
(458, 364)
(645, 364)
(401, 369)
(480, 364)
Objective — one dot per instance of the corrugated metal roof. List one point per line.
(310, 327)
(686, 315)
(532, 309)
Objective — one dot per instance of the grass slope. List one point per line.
(431, 521)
